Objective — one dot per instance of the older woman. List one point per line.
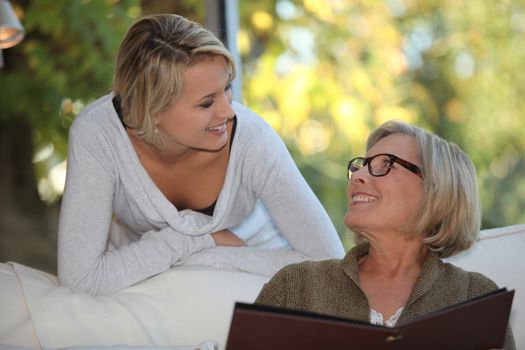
(411, 201)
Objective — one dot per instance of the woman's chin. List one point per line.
(351, 221)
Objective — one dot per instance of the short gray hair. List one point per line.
(449, 216)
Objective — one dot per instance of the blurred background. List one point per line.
(323, 73)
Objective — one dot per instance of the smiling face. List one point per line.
(386, 203)
(197, 119)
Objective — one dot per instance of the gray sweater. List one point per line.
(117, 228)
(331, 287)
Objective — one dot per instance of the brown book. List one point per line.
(478, 323)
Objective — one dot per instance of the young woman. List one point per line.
(163, 169)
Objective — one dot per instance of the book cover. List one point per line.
(478, 323)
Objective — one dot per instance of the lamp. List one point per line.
(11, 31)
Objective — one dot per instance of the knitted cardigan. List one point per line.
(331, 287)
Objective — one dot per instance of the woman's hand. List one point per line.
(227, 238)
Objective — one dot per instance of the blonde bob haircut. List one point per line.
(151, 62)
(449, 215)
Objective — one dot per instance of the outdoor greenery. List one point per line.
(324, 73)
(66, 59)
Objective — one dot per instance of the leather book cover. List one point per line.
(478, 323)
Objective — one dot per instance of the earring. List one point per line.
(156, 130)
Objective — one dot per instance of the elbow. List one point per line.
(86, 282)
(78, 285)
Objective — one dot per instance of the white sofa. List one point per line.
(187, 306)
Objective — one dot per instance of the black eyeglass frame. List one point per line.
(392, 159)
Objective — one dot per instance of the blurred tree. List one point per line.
(65, 60)
(192, 9)
(324, 73)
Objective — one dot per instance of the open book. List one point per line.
(478, 323)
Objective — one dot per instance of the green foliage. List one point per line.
(325, 73)
(68, 51)
(66, 59)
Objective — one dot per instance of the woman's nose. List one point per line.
(360, 176)
(226, 110)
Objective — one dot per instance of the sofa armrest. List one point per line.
(183, 306)
(500, 255)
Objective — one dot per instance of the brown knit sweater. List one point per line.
(331, 287)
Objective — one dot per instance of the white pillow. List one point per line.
(16, 327)
(500, 255)
(185, 305)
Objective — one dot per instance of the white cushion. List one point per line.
(179, 307)
(500, 255)
(16, 326)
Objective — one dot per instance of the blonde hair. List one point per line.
(151, 62)
(449, 215)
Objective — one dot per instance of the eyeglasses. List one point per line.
(380, 165)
